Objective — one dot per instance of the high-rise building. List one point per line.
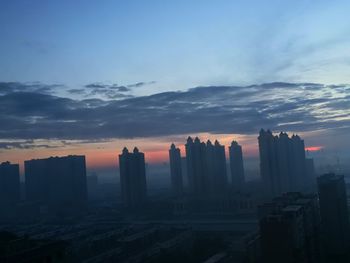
(133, 178)
(195, 160)
(218, 178)
(236, 165)
(206, 168)
(282, 163)
(9, 184)
(175, 170)
(57, 182)
(334, 214)
(290, 229)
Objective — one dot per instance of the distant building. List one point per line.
(175, 170)
(334, 214)
(282, 163)
(132, 178)
(57, 182)
(310, 169)
(206, 168)
(92, 184)
(236, 165)
(290, 229)
(9, 184)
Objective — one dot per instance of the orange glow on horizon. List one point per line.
(105, 154)
(314, 148)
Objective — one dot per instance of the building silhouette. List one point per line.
(236, 165)
(132, 178)
(217, 158)
(282, 163)
(57, 182)
(290, 229)
(334, 215)
(206, 168)
(175, 170)
(9, 184)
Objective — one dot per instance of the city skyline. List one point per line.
(153, 155)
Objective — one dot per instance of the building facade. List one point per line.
(290, 229)
(206, 168)
(57, 182)
(9, 184)
(175, 170)
(236, 165)
(132, 178)
(282, 163)
(334, 214)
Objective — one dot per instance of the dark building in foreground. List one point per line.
(9, 184)
(57, 182)
(236, 165)
(133, 178)
(175, 170)
(334, 215)
(19, 249)
(290, 229)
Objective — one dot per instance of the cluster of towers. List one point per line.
(283, 166)
(205, 168)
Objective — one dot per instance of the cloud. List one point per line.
(100, 86)
(36, 87)
(215, 109)
(113, 91)
(140, 84)
(77, 91)
(27, 144)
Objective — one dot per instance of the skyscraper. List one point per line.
(334, 214)
(268, 163)
(57, 182)
(195, 160)
(282, 163)
(175, 170)
(206, 168)
(236, 165)
(9, 184)
(218, 177)
(132, 178)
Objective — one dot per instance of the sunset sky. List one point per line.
(90, 77)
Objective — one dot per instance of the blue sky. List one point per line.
(177, 44)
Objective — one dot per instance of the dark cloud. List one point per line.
(28, 144)
(36, 87)
(99, 86)
(77, 91)
(214, 109)
(140, 84)
(107, 91)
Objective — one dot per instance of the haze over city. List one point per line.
(174, 131)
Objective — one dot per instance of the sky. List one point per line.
(90, 77)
